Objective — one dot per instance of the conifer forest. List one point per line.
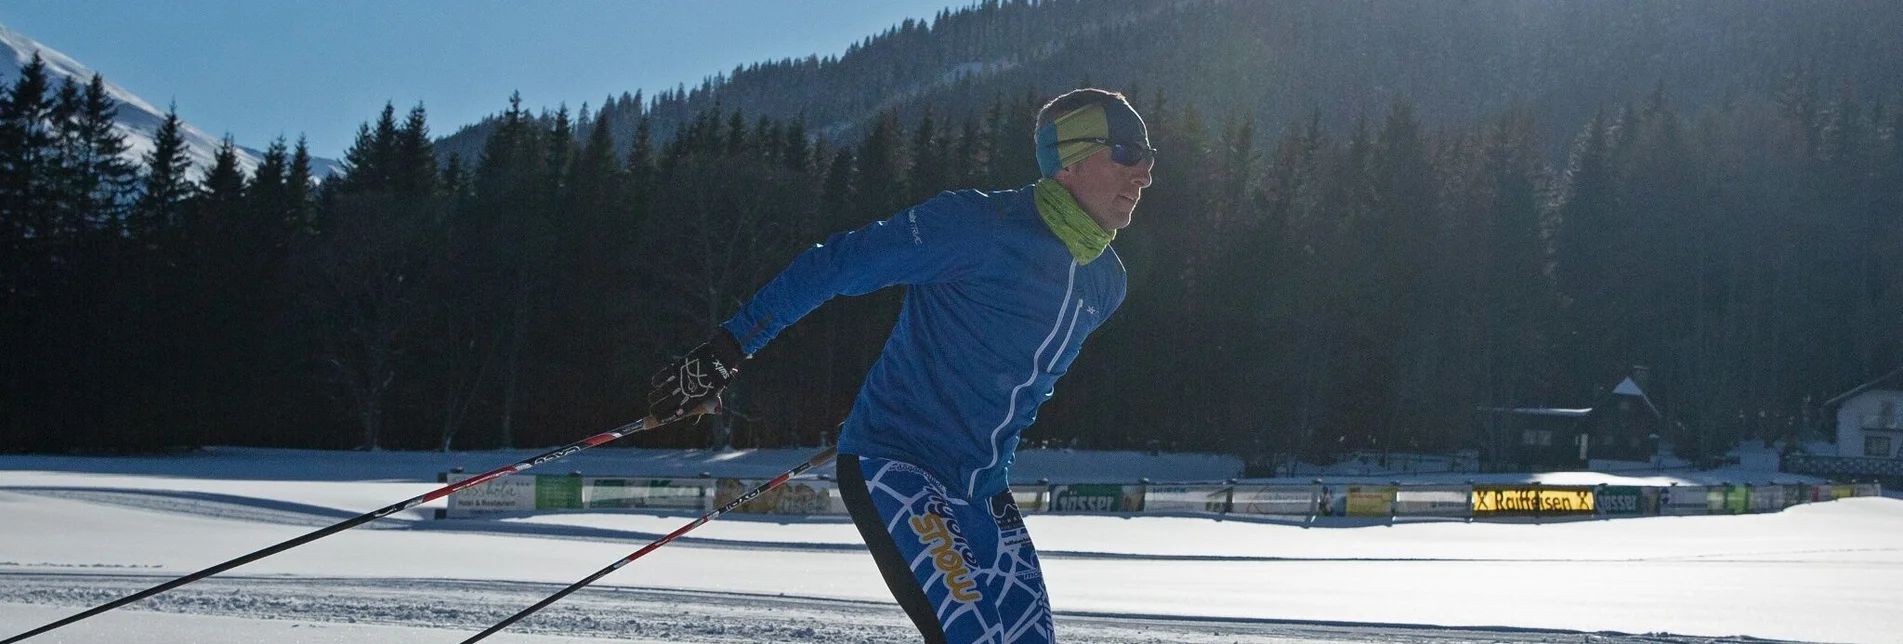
(1369, 219)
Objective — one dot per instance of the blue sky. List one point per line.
(260, 68)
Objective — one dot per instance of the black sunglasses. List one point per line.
(1125, 154)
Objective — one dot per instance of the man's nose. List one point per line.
(1140, 174)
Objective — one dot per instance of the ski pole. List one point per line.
(815, 461)
(637, 426)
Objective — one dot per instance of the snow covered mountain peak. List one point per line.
(137, 119)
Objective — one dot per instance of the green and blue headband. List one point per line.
(1079, 133)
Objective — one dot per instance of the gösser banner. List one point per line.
(1097, 498)
(1620, 500)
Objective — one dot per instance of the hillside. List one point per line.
(1280, 61)
(138, 120)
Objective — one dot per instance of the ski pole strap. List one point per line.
(816, 461)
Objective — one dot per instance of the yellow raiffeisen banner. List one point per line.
(1511, 499)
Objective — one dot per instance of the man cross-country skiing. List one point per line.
(1003, 289)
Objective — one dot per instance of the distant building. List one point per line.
(1869, 422)
(1623, 425)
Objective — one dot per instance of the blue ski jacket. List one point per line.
(996, 310)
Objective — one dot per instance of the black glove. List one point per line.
(693, 383)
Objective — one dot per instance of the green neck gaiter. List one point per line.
(1081, 234)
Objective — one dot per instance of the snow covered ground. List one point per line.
(76, 532)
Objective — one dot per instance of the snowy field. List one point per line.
(76, 532)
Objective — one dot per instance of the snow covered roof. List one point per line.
(1628, 387)
(1864, 387)
(1541, 411)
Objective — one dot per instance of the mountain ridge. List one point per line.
(1280, 62)
(137, 119)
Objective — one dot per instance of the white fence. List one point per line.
(812, 496)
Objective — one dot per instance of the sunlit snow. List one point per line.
(76, 532)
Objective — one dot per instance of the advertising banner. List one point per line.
(1869, 489)
(1568, 500)
(1767, 498)
(1434, 501)
(643, 493)
(1532, 499)
(558, 492)
(1843, 491)
(1683, 500)
(1032, 498)
(507, 494)
(1733, 499)
(1619, 500)
(1793, 494)
(1370, 500)
(799, 497)
(1186, 498)
(1097, 498)
(1290, 500)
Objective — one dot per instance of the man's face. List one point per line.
(1107, 191)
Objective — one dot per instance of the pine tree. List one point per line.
(1012, 160)
(413, 157)
(266, 193)
(297, 187)
(598, 179)
(366, 270)
(26, 145)
(63, 167)
(454, 178)
(561, 158)
(217, 295)
(736, 135)
(967, 162)
(881, 190)
(927, 175)
(104, 175)
(837, 192)
(587, 316)
(640, 173)
(1298, 299)
(1584, 249)
(160, 210)
(1406, 228)
(223, 186)
(360, 163)
(27, 266)
(995, 141)
(1347, 373)
(372, 163)
(508, 228)
(796, 153)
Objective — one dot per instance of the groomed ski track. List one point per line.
(445, 606)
